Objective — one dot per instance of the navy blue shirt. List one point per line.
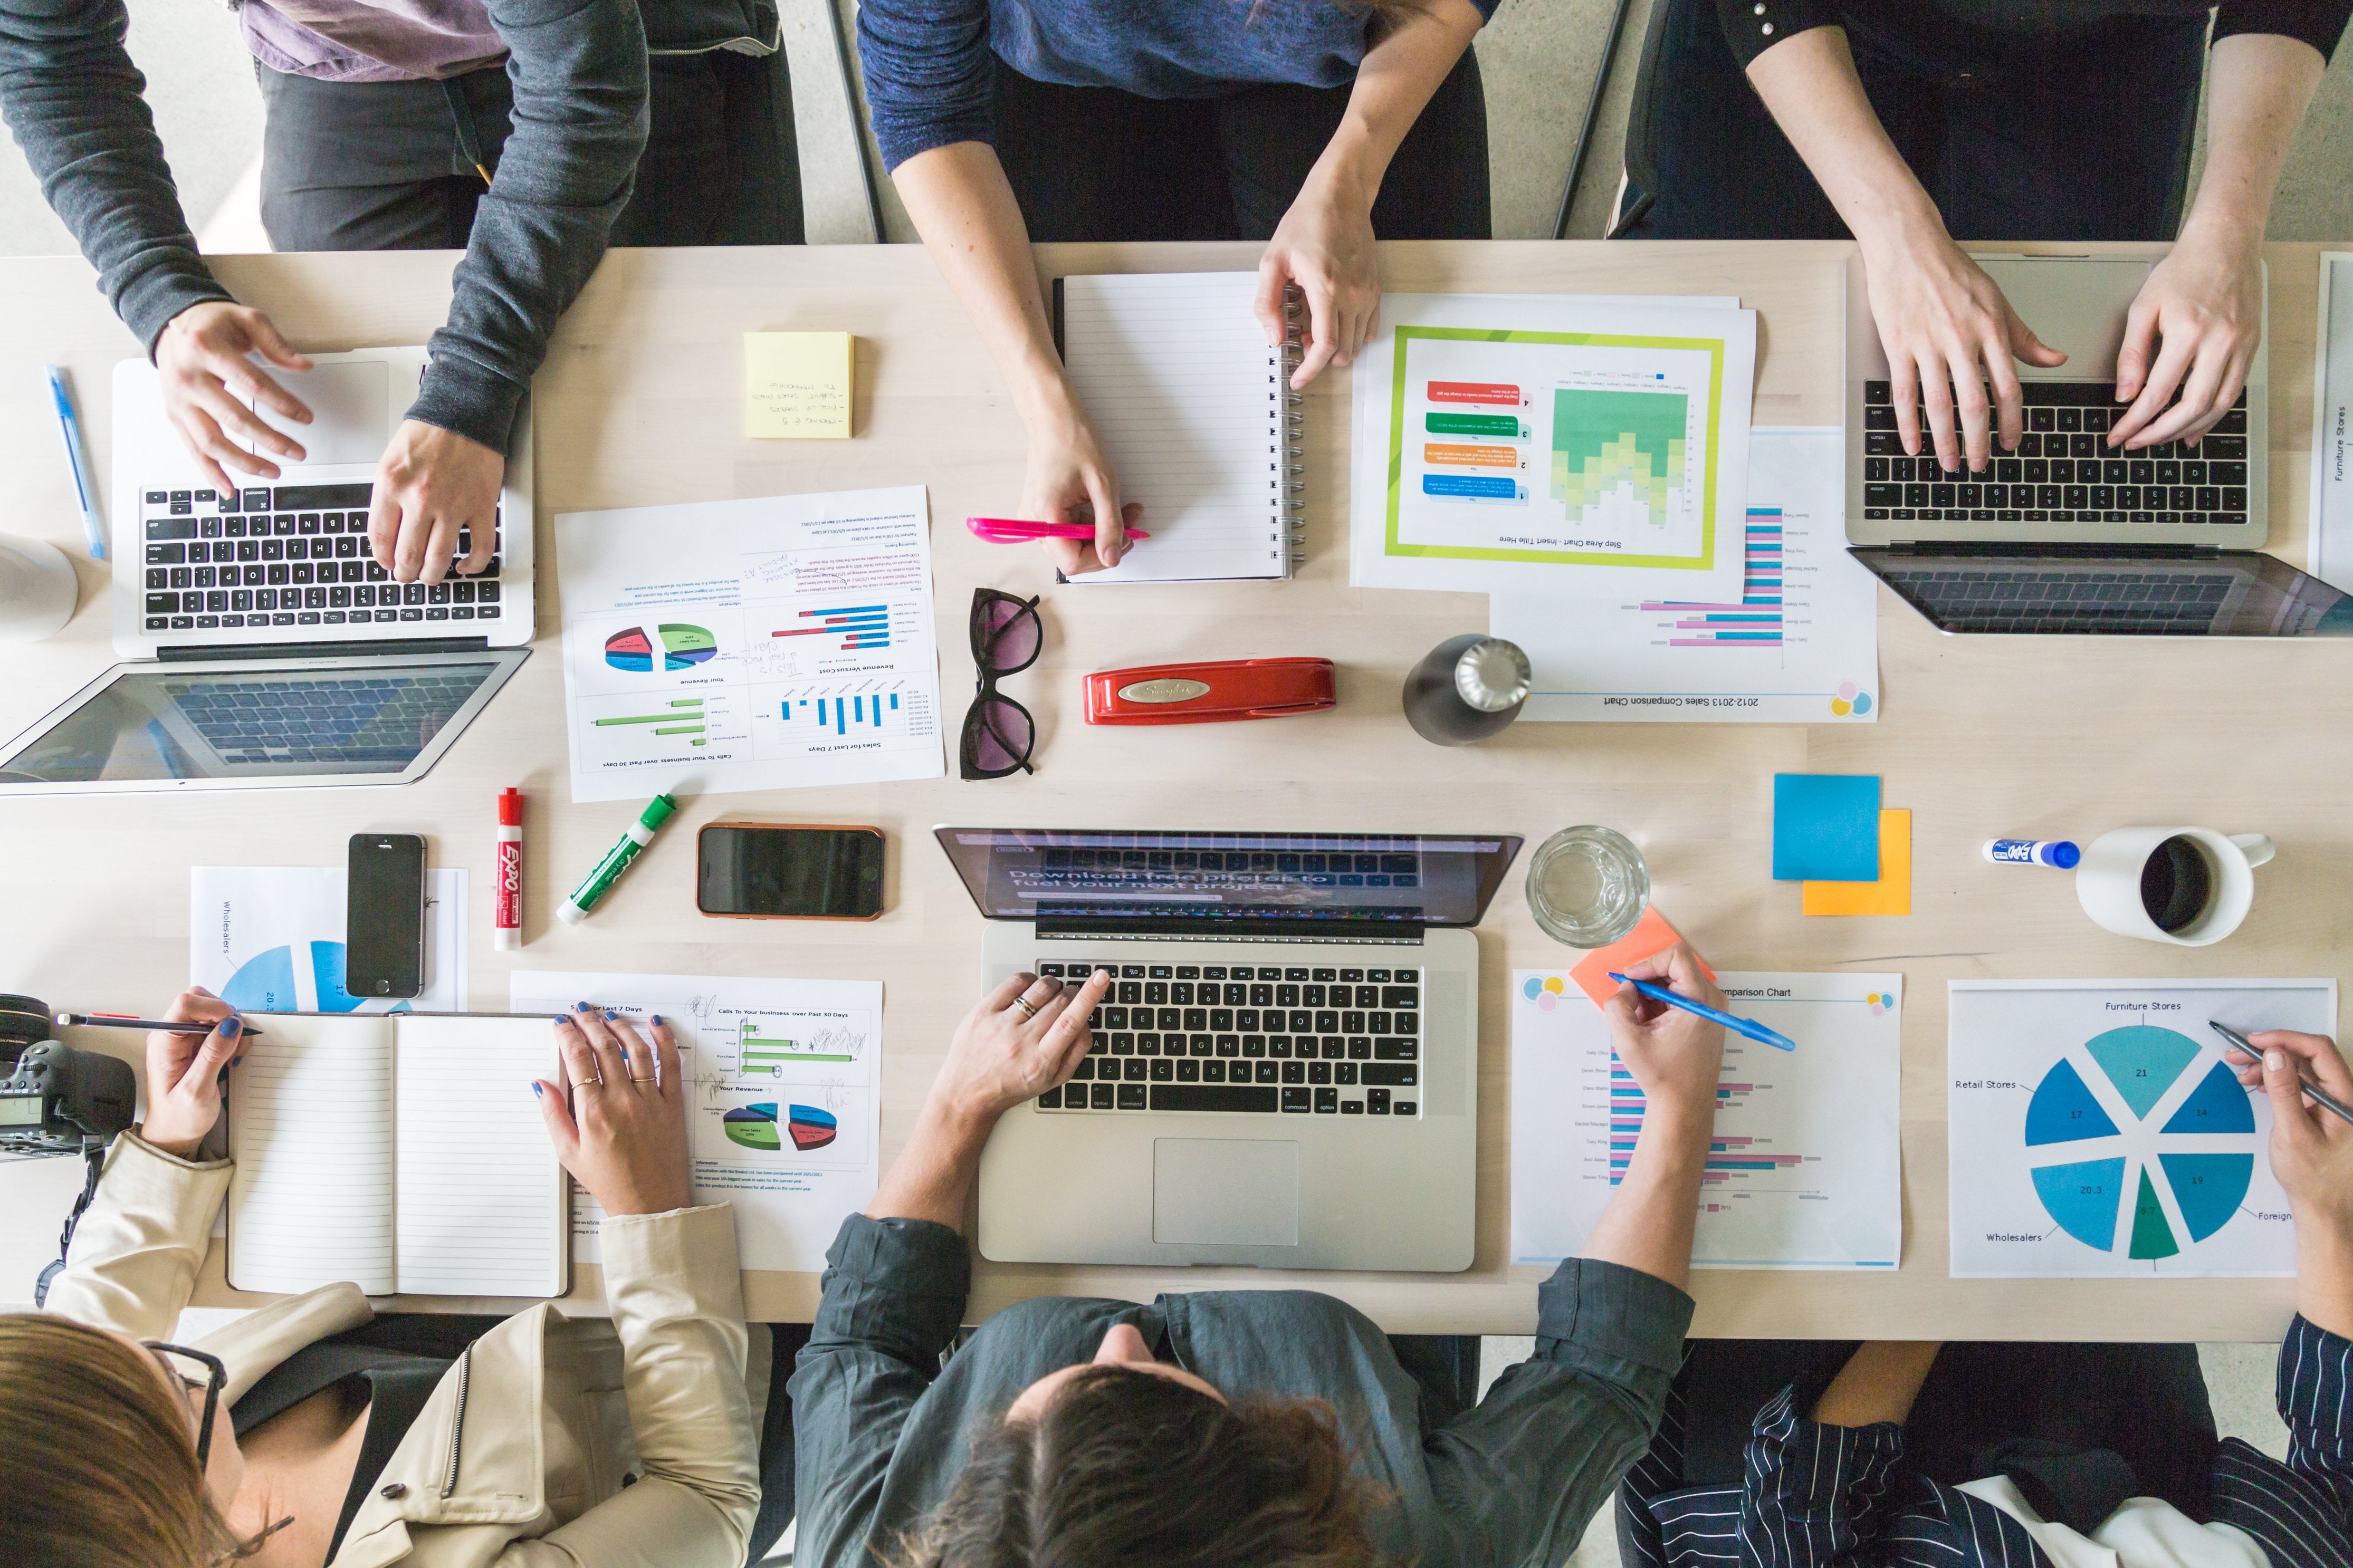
(931, 65)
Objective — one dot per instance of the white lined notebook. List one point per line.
(404, 1153)
(1198, 415)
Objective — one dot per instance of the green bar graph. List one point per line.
(680, 730)
(1505, 425)
(686, 702)
(1602, 439)
(642, 719)
(752, 1046)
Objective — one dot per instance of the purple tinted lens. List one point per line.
(1001, 736)
(1009, 634)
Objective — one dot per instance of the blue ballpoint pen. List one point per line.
(1749, 1027)
(87, 494)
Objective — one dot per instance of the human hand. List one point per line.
(1001, 1055)
(183, 1096)
(1069, 479)
(2311, 1149)
(201, 361)
(1948, 329)
(1675, 1056)
(622, 1133)
(1324, 245)
(2199, 318)
(429, 483)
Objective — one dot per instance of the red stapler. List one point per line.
(1214, 692)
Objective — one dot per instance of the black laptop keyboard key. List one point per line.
(1255, 1099)
(1295, 1101)
(1395, 1075)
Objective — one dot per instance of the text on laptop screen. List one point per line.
(162, 723)
(1220, 880)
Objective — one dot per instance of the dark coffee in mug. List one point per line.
(2176, 884)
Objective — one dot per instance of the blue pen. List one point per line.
(1754, 1030)
(84, 491)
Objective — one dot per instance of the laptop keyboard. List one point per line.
(2061, 472)
(2177, 603)
(364, 719)
(289, 555)
(1258, 1039)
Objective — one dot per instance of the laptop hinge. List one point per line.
(1329, 933)
(2028, 549)
(324, 649)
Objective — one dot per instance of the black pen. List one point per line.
(2312, 1091)
(105, 1021)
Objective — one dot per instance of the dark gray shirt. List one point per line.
(71, 96)
(881, 1428)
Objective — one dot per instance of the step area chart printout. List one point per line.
(2099, 1130)
(747, 645)
(1805, 1168)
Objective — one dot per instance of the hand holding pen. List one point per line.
(2311, 1157)
(1676, 1054)
(183, 1072)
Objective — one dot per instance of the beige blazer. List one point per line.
(554, 1443)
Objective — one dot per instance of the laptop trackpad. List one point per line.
(350, 408)
(1225, 1192)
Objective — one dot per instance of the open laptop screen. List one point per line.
(1223, 880)
(2111, 590)
(249, 724)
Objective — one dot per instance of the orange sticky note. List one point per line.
(1891, 895)
(1651, 934)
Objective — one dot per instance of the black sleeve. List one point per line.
(1752, 26)
(2320, 22)
(71, 97)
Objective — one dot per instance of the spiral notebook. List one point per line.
(1198, 415)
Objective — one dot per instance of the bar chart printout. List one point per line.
(1805, 1167)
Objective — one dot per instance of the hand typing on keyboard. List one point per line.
(2192, 330)
(1024, 1038)
(431, 484)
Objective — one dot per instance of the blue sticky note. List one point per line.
(1825, 827)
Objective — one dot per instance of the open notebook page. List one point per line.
(481, 1205)
(310, 1202)
(1178, 377)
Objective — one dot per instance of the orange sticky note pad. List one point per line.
(1891, 895)
(1651, 934)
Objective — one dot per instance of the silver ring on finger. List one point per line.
(1029, 1008)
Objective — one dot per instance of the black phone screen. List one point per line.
(809, 872)
(384, 921)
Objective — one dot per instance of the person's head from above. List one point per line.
(100, 1437)
(1128, 1461)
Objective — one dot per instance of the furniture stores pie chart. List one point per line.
(754, 1126)
(682, 647)
(2108, 1187)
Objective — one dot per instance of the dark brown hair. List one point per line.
(1132, 1469)
(98, 1467)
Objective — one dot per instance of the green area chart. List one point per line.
(2087, 1198)
(1603, 439)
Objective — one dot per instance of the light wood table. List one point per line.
(641, 403)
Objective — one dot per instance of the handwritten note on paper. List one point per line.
(797, 385)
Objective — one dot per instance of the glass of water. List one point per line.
(1587, 886)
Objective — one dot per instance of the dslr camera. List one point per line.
(55, 1099)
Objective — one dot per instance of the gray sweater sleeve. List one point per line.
(579, 73)
(71, 97)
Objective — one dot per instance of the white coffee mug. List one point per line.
(38, 589)
(2107, 882)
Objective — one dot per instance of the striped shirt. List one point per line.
(1815, 1495)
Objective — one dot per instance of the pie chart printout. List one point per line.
(755, 1126)
(682, 647)
(2089, 1198)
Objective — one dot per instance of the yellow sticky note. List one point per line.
(1891, 895)
(797, 385)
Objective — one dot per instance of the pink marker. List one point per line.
(1019, 530)
(508, 934)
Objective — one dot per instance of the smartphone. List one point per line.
(383, 916)
(762, 872)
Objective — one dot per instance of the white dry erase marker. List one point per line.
(2055, 852)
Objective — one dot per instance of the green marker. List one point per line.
(608, 871)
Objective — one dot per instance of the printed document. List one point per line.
(269, 938)
(1806, 1170)
(1797, 643)
(784, 1118)
(749, 644)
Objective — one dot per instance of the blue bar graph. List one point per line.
(863, 710)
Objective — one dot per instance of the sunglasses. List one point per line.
(998, 733)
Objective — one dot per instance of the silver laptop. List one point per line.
(2065, 535)
(1285, 1073)
(284, 563)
